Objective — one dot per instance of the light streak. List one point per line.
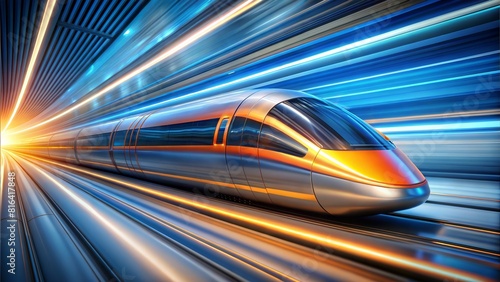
(466, 248)
(466, 197)
(471, 228)
(159, 58)
(415, 84)
(434, 116)
(4, 140)
(49, 8)
(404, 70)
(135, 244)
(443, 126)
(345, 48)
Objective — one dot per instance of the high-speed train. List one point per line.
(275, 146)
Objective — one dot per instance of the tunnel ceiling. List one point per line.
(78, 33)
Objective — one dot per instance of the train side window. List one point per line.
(130, 137)
(119, 138)
(220, 134)
(65, 143)
(103, 139)
(251, 132)
(153, 136)
(189, 133)
(97, 140)
(275, 140)
(133, 140)
(235, 131)
(192, 133)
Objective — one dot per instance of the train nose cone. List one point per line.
(367, 182)
(385, 167)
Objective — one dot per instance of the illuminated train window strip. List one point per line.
(96, 140)
(189, 133)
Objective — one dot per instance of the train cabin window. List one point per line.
(220, 134)
(189, 133)
(251, 132)
(275, 140)
(153, 136)
(97, 140)
(328, 125)
(235, 131)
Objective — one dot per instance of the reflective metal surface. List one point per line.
(389, 168)
(92, 146)
(341, 197)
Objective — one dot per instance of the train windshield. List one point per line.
(329, 126)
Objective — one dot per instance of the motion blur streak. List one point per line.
(148, 255)
(404, 70)
(417, 84)
(162, 56)
(464, 248)
(444, 126)
(366, 252)
(444, 115)
(345, 48)
(475, 229)
(2, 164)
(34, 55)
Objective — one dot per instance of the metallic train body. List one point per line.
(263, 145)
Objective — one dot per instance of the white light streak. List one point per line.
(134, 244)
(159, 58)
(348, 47)
(404, 70)
(443, 126)
(49, 8)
